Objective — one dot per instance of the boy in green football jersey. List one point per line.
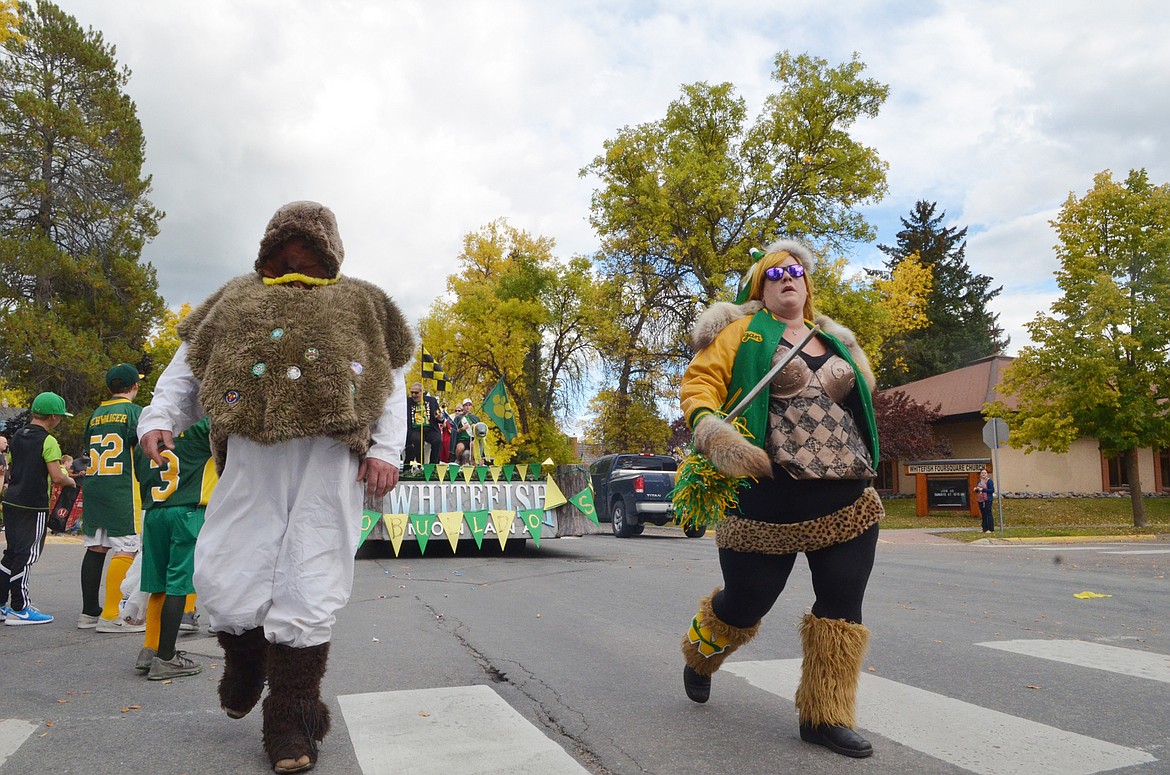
(174, 496)
(111, 505)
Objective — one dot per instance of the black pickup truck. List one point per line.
(630, 490)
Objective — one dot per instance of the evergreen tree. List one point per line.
(961, 328)
(74, 217)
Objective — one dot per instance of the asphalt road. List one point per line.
(565, 659)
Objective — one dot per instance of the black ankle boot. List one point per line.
(698, 687)
(842, 740)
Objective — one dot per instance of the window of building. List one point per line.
(1162, 470)
(887, 476)
(1115, 476)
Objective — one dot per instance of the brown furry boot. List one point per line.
(295, 718)
(827, 695)
(244, 660)
(707, 643)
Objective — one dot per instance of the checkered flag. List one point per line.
(432, 370)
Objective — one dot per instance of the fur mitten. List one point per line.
(729, 451)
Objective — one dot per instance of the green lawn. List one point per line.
(1041, 517)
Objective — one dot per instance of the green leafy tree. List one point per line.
(517, 313)
(74, 297)
(1099, 365)
(683, 199)
(961, 328)
(628, 423)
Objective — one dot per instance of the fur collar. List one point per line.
(723, 313)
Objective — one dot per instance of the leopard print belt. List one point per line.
(749, 535)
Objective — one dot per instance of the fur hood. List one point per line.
(723, 313)
(315, 222)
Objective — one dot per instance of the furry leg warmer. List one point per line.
(245, 659)
(295, 718)
(709, 640)
(833, 651)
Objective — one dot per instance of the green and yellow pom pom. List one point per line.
(703, 494)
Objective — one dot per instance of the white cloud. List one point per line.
(421, 121)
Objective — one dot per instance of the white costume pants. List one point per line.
(277, 547)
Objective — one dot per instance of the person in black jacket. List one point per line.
(36, 460)
(422, 426)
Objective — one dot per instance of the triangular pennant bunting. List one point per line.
(452, 522)
(584, 501)
(502, 522)
(396, 528)
(422, 529)
(477, 522)
(369, 519)
(532, 519)
(553, 496)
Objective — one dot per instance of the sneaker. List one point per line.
(121, 625)
(28, 615)
(175, 667)
(4, 611)
(144, 658)
(190, 621)
(87, 622)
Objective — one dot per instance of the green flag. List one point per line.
(498, 409)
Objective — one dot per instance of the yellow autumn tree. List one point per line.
(903, 297)
(160, 349)
(876, 307)
(516, 312)
(9, 21)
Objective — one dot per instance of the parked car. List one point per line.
(631, 490)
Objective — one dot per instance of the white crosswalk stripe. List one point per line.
(464, 729)
(13, 733)
(1141, 664)
(977, 739)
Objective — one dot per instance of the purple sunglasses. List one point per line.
(776, 272)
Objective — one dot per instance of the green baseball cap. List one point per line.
(49, 403)
(122, 377)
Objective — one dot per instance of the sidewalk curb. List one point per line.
(1073, 539)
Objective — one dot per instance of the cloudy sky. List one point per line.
(418, 122)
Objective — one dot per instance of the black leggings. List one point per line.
(753, 582)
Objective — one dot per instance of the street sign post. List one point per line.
(995, 435)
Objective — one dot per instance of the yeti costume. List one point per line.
(300, 383)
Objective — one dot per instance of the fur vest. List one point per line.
(278, 362)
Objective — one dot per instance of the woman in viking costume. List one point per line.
(301, 372)
(808, 445)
